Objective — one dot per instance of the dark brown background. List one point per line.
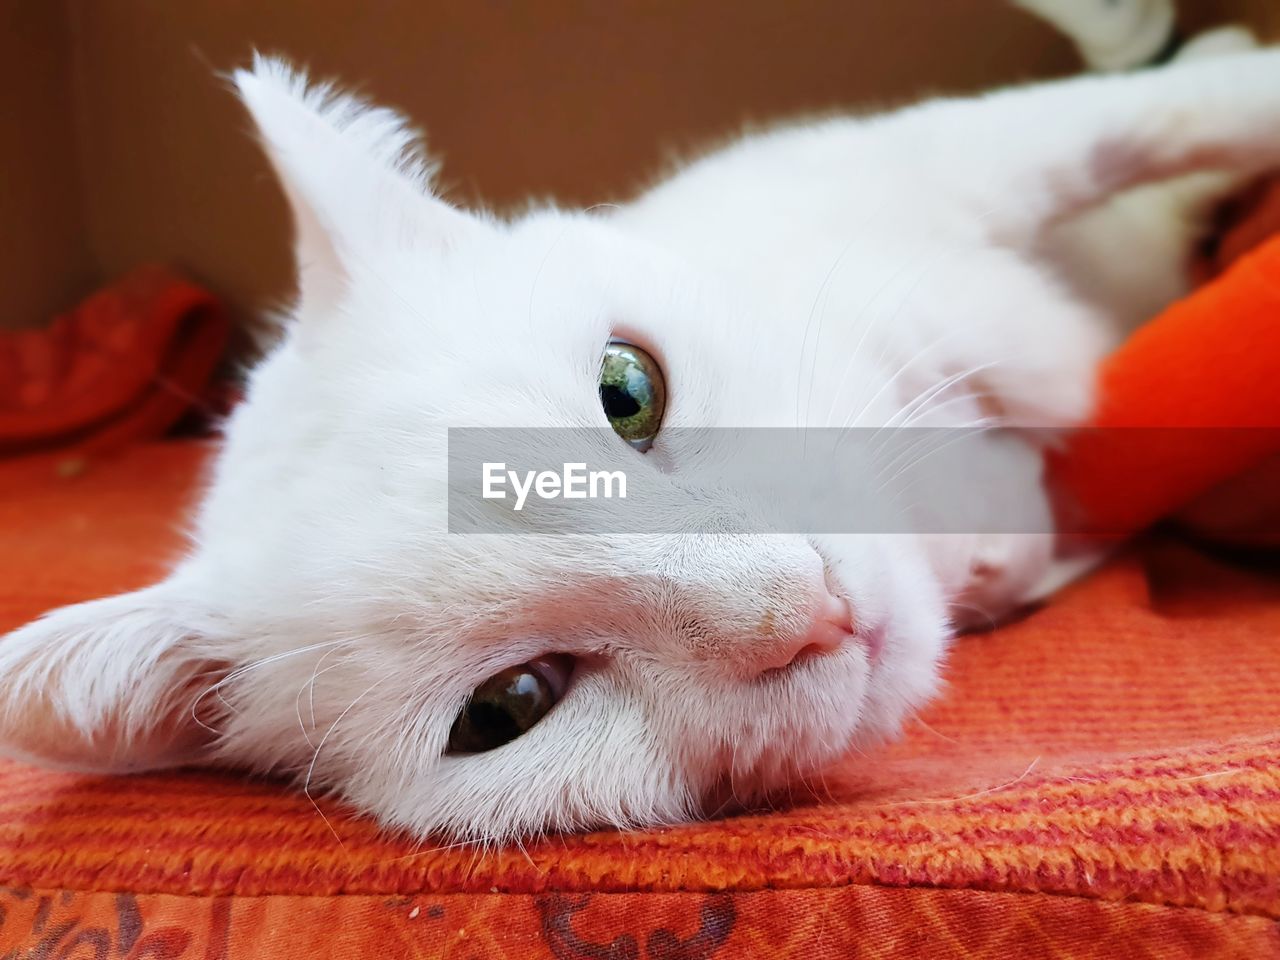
(119, 143)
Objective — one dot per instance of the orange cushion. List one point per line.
(1100, 779)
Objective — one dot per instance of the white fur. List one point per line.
(832, 273)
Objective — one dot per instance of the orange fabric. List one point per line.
(1245, 222)
(1189, 401)
(123, 365)
(866, 922)
(1101, 779)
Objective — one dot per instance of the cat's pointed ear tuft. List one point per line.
(114, 685)
(353, 174)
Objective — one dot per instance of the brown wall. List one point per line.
(130, 148)
(44, 258)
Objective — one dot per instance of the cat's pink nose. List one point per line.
(832, 626)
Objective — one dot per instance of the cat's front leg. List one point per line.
(986, 521)
(1031, 156)
(1003, 574)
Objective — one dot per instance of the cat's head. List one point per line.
(327, 624)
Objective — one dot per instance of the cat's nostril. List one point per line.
(832, 625)
(830, 629)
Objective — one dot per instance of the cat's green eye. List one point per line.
(508, 704)
(632, 392)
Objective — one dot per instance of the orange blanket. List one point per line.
(1100, 780)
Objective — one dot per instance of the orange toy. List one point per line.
(1191, 400)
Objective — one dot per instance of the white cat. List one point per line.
(847, 272)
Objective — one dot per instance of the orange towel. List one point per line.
(124, 365)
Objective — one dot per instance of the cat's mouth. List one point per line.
(818, 702)
(872, 638)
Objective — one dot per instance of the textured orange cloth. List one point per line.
(123, 365)
(1101, 779)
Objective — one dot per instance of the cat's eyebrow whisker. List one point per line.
(919, 450)
(885, 318)
(958, 398)
(876, 323)
(918, 406)
(947, 382)
(865, 226)
(902, 369)
(525, 853)
(537, 276)
(880, 320)
(427, 851)
(242, 670)
(923, 447)
(310, 686)
(306, 784)
(960, 433)
(813, 310)
(373, 272)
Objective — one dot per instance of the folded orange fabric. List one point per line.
(1189, 401)
(123, 365)
(1101, 779)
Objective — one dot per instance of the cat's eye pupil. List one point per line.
(632, 393)
(501, 709)
(495, 721)
(618, 404)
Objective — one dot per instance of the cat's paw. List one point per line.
(1004, 571)
(1233, 38)
(1112, 34)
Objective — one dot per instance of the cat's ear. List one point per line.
(112, 685)
(353, 175)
